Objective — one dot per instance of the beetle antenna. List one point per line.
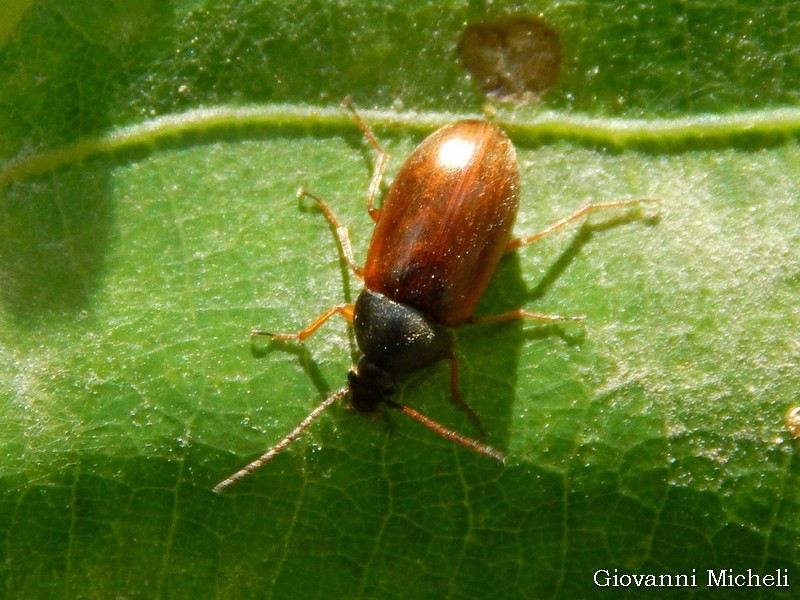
(283, 444)
(449, 434)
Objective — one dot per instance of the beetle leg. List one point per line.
(339, 230)
(455, 395)
(584, 210)
(380, 164)
(520, 313)
(346, 310)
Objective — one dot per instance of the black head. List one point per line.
(369, 385)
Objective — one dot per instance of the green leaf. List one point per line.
(151, 152)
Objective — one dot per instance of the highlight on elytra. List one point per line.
(443, 227)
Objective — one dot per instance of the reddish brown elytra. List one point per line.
(441, 231)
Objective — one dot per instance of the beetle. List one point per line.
(443, 227)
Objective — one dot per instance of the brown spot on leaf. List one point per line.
(514, 58)
(793, 421)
